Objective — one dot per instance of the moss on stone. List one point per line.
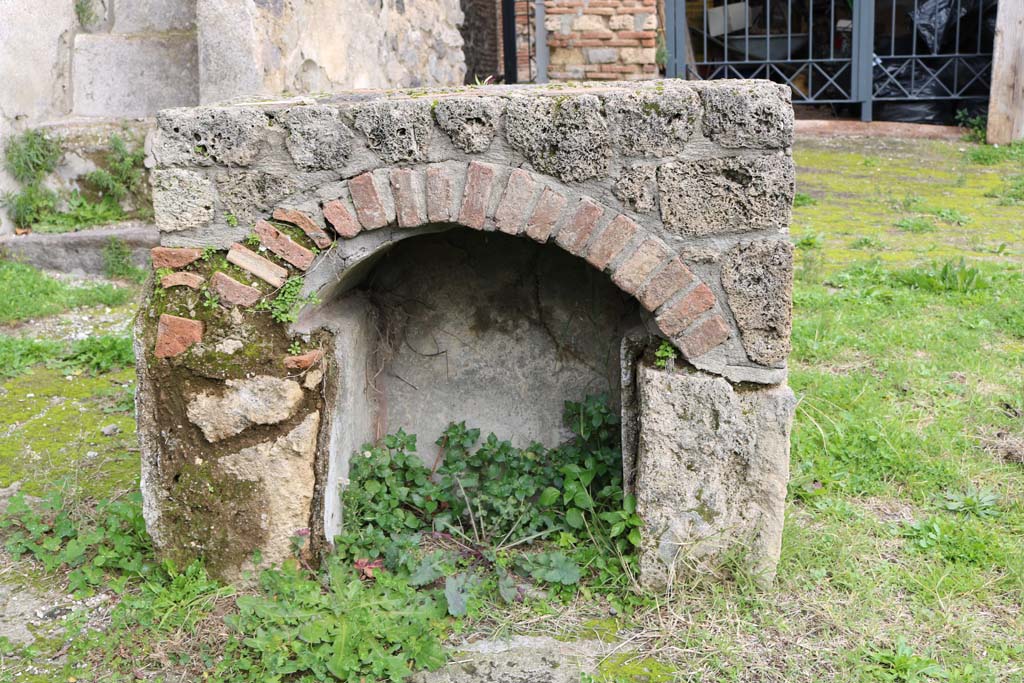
(627, 668)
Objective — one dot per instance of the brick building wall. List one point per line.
(602, 39)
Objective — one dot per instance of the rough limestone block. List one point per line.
(396, 131)
(758, 282)
(726, 195)
(230, 136)
(318, 139)
(181, 199)
(711, 473)
(138, 75)
(751, 114)
(653, 123)
(568, 139)
(259, 400)
(469, 121)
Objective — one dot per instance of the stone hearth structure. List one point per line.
(334, 269)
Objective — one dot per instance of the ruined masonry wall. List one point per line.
(679, 192)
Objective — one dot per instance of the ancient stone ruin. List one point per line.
(334, 269)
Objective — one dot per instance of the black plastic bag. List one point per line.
(900, 81)
(936, 20)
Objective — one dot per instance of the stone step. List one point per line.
(134, 75)
(81, 252)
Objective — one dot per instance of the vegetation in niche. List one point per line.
(665, 356)
(105, 192)
(284, 307)
(85, 13)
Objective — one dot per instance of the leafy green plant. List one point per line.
(252, 240)
(975, 127)
(801, 199)
(916, 224)
(872, 243)
(952, 276)
(337, 628)
(992, 155)
(899, 663)
(284, 307)
(973, 501)
(1011, 193)
(99, 354)
(665, 355)
(123, 172)
(32, 204)
(35, 294)
(32, 156)
(117, 262)
(85, 13)
(809, 240)
(952, 216)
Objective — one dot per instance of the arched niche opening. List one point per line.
(458, 324)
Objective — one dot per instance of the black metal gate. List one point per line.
(896, 53)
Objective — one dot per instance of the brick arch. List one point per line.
(513, 201)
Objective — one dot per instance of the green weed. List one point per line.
(117, 262)
(975, 127)
(284, 307)
(1011, 192)
(993, 155)
(665, 355)
(801, 199)
(952, 276)
(916, 224)
(33, 294)
(871, 243)
(952, 217)
(32, 156)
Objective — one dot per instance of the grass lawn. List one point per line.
(903, 552)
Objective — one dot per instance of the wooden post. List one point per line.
(1006, 102)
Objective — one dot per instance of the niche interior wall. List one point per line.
(330, 269)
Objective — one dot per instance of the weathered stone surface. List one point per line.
(468, 121)
(396, 131)
(147, 16)
(522, 659)
(369, 202)
(302, 221)
(249, 195)
(282, 245)
(718, 196)
(182, 279)
(174, 335)
(568, 139)
(260, 400)
(653, 123)
(284, 471)
(181, 199)
(440, 193)
(138, 75)
(228, 136)
(637, 187)
(170, 257)
(303, 361)
(318, 140)
(266, 270)
(754, 115)
(758, 281)
(231, 292)
(410, 201)
(711, 473)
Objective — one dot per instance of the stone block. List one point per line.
(318, 139)
(545, 215)
(468, 121)
(181, 199)
(711, 474)
(754, 115)
(153, 16)
(477, 195)
(758, 281)
(510, 217)
(637, 187)
(601, 55)
(367, 198)
(261, 400)
(726, 195)
(138, 75)
(440, 193)
(407, 187)
(211, 136)
(651, 123)
(567, 139)
(638, 55)
(396, 131)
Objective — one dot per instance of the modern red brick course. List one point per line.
(320, 238)
(282, 245)
(611, 242)
(704, 336)
(545, 215)
(407, 189)
(674, 277)
(172, 257)
(232, 292)
(175, 335)
(439, 194)
(574, 236)
(515, 203)
(631, 275)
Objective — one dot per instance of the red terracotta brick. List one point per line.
(704, 337)
(172, 257)
(282, 245)
(341, 219)
(511, 214)
(408, 193)
(232, 292)
(681, 314)
(477, 196)
(439, 194)
(303, 361)
(182, 279)
(545, 215)
(611, 242)
(369, 206)
(632, 273)
(574, 236)
(175, 335)
(313, 231)
(257, 265)
(675, 276)
(638, 34)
